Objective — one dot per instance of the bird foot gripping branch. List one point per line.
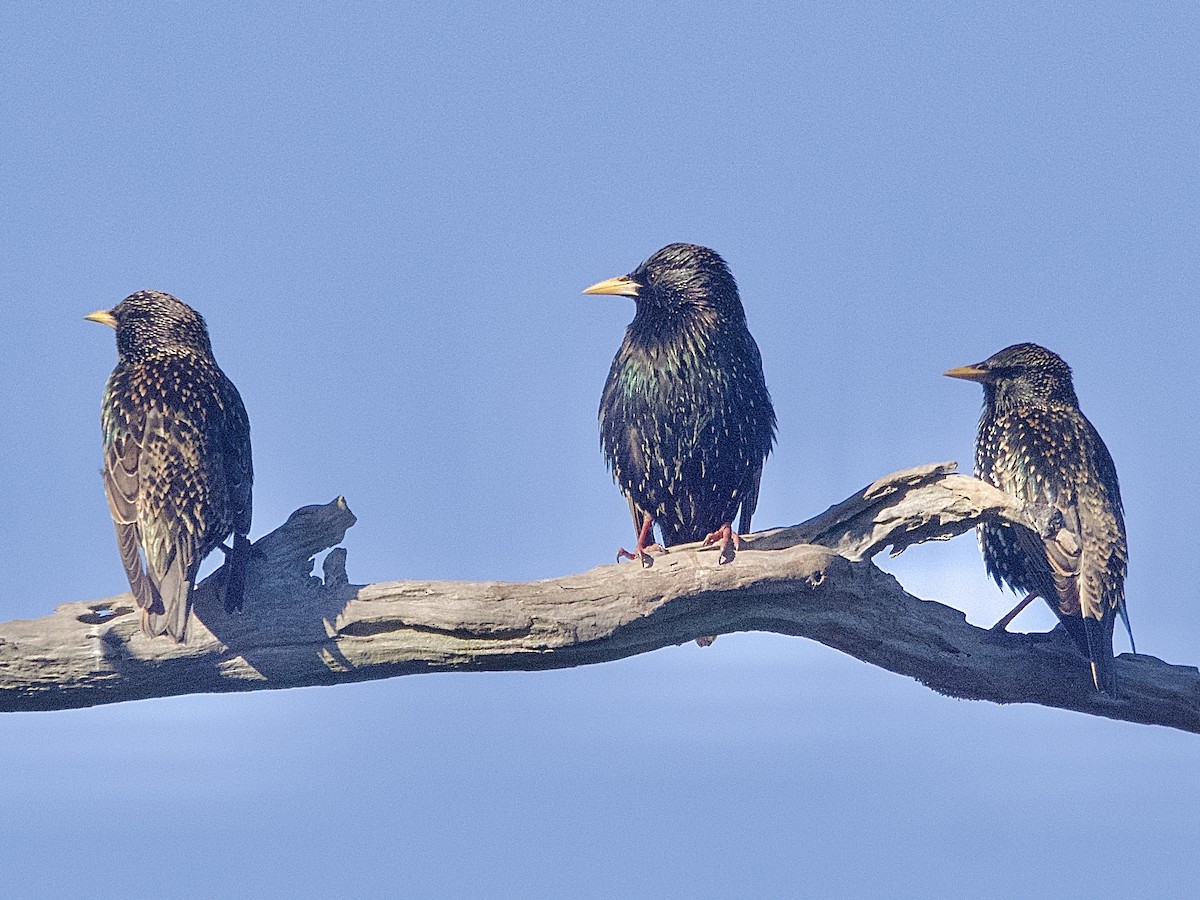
(727, 540)
(643, 550)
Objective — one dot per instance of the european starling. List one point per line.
(685, 418)
(1035, 445)
(177, 468)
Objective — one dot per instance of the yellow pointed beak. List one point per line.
(103, 316)
(622, 285)
(968, 373)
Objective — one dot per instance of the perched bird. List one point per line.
(685, 418)
(1036, 446)
(177, 468)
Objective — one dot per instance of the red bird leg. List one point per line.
(642, 550)
(727, 540)
(1003, 624)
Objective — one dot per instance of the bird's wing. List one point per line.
(1102, 532)
(757, 421)
(1043, 474)
(1064, 552)
(1066, 479)
(1109, 531)
(239, 465)
(627, 453)
(124, 428)
(1073, 484)
(172, 505)
(239, 480)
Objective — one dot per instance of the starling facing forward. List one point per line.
(1035, 445)
(685, 418)
(177, 468)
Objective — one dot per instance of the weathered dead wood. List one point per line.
(813, 580)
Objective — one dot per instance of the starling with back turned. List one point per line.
(686, 422)
(1036, 446)
(177, 469)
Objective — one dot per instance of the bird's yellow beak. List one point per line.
(622, 285)
(968, 373)
(103, 316)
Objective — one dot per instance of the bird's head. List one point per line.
(149, 322)
(1023, 374)
(679, 278)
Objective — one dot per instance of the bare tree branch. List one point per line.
(813, 580)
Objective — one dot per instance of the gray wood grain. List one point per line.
(812, 580)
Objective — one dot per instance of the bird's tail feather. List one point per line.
(1121, 608)
(1099, 639)
(1076, 628)
(175, 589)
(237, 561)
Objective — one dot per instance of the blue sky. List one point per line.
(387, 214)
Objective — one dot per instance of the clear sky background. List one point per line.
(387, 213)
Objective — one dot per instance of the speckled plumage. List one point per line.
(177, 466)
(1036, 445)
(686, 421)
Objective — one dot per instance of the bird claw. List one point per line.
(642, 550)
(642, 553)
(727, 540)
